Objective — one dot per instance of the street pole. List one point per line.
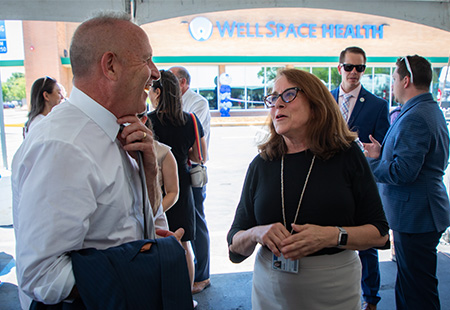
(2, 128)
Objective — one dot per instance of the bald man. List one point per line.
(75, 178)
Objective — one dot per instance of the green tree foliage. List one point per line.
(14, 88)
(320, 72)
(271, 74)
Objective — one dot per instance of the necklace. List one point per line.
(301, 196)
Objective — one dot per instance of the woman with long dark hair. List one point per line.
(45, 94)
(176, 128)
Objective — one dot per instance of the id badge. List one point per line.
(283, 264)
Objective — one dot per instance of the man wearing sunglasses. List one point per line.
(367, 115)
(409, 166)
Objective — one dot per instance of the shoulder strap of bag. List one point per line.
(197, 137)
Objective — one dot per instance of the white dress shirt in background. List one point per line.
(195, 103)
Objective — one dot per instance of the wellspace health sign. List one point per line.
(202, 28)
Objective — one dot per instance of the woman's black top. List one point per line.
(341, 191)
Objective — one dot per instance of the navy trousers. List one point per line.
(416, 286)
(370, 279)
(201, 243)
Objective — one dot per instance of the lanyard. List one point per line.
(301, 196)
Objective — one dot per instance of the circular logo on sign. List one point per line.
(201, 28)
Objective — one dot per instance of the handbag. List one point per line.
(199, 175)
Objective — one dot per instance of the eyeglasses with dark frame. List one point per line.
(288, 95)
(408, 67)
(349, 67)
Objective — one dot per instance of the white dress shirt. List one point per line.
(34, 122)
(197, 104)
(74, 187)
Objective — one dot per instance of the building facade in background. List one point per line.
(246, 47)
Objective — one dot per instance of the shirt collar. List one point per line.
(354, 93)
(96, 112)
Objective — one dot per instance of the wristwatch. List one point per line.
(343, 237)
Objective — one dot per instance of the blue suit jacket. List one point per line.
(122, 277)
(411, 166)
(370, 116)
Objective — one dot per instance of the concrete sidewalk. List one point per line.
(231, 150)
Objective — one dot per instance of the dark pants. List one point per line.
(370, 280)
(417, 285)
(201, 243)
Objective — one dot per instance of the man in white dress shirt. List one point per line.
(197, 104)
(75, 181)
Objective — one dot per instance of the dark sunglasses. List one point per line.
(287, 96)
(349, 67)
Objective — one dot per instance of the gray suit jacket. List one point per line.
(411, 166)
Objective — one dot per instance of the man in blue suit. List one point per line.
(409, 165)
(367, 115)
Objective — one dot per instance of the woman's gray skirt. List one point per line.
(331, 282)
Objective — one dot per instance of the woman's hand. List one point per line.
(308, 239)
(244, 241)
(271, 236)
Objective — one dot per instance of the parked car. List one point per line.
(8, 105)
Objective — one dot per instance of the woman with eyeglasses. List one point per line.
(45, 95)
(310, 200)
(175, 128)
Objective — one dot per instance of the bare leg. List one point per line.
(189, 260)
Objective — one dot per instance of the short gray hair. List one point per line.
(87, 43)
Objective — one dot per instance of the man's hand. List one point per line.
(178, 234)
(373, 149)
(165, 233)
(137, 137)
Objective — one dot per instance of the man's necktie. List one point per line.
(345, 105)
(146, 210)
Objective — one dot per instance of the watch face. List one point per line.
(344, 238)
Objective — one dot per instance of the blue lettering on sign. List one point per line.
(367, 29)
(273, 29)
(249, 35)
(327, 29)
(358, 32)
(240, 30)
(312, 30)
(338, 31)
(226, 27)
(257, 31)
(291, 30)
(280, 28)
(2, 30)
(378, 32)
(3, 47)
(299, 30)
